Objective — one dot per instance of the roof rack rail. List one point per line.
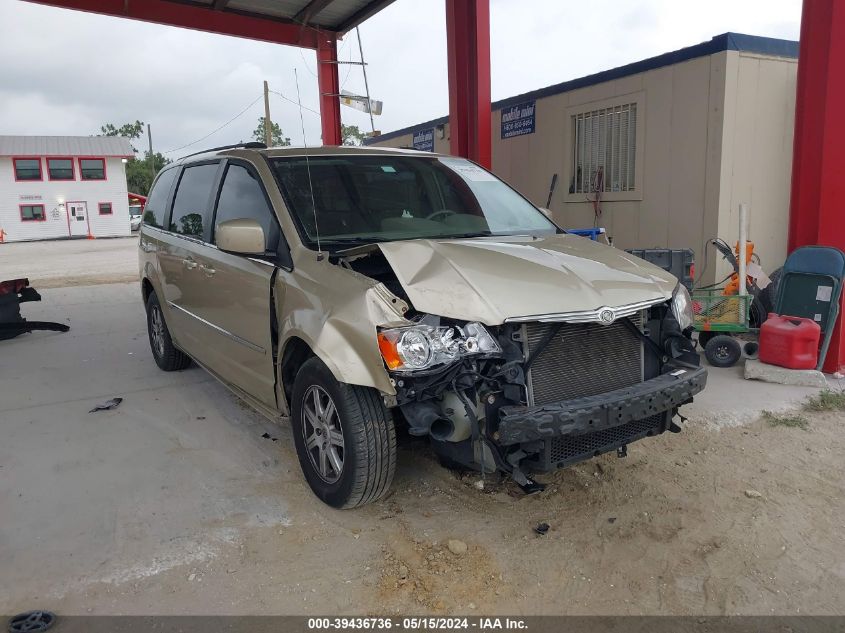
(248, 145)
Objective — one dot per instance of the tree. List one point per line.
(131, 131)
(351, 135)
(139, 171)
(277, 137)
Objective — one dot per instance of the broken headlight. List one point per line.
(682, 307)
(421, 347)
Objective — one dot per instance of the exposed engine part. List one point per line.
(456, 424)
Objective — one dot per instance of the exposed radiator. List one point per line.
(583, 359)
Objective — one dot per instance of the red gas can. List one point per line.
(791, 342)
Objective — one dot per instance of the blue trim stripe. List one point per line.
(720, 43)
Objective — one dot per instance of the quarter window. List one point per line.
(60, 168)
(105, 208)
(32, 213)
(27, 168)
(605, 150)
(191, 209)
(242, 196)
(157, 201)
(92, 168)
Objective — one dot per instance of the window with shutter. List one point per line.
(604, 149)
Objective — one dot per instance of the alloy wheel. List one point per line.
(322, 433)
(157, 330)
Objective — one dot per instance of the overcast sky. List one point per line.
(66, 72)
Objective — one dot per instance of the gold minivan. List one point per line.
(360, 292)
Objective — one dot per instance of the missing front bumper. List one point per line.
(593, 414)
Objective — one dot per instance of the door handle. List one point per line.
(208, 270)
(190, 264)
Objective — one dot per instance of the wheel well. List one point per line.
(146, 289)
(295, 354)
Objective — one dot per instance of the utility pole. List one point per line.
(150, 155)
(366, 85)
(268, 126)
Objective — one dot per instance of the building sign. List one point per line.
(29, 197)
(424, 140)
(518, 120)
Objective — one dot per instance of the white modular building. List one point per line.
(61, 187)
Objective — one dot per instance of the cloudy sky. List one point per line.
(66, 72)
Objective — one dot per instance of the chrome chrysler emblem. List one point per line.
(606, 316)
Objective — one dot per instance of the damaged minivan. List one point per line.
(362, 293)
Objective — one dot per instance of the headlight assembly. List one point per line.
(682, 307)
(421, 347)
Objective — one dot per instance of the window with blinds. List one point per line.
(604, 149)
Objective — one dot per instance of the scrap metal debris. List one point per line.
(108, 405)
(31, 621)
(267, 436)
(13, 293)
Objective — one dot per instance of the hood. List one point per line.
(494, 279)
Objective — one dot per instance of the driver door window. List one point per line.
(242, 196)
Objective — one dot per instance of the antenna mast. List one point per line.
(366, 85)
(308, 167)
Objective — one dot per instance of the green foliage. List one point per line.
(791, 420)
(827, 400)
(351, 135)
(277, 137)
(129, 130)
(141, 171)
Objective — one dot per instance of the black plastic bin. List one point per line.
(678, 261)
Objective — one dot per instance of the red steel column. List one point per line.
(329, 86)
(468, 42)
(818, 162)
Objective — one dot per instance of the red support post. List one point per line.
(329, 86)
(468, 43)
(818, 160)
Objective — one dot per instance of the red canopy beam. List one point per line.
(198, 18)
(468, 42)
(818, 160)
(329, 85)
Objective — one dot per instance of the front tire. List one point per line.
(166, 356)
(344, 436)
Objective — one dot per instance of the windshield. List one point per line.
(368, 198)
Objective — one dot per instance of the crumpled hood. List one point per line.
(494, 279)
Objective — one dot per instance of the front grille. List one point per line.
(584, 359)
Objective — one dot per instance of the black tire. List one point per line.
(367, 454)
(166, 356)
(723, 351)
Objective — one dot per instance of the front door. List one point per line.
(77, 218)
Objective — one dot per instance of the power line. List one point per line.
(317, 112)
(234, 118)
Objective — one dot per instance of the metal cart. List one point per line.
(719, 318)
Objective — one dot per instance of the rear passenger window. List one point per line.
(242, 196)
(156, 203)
(191, 209)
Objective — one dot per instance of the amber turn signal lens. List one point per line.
(389, 352)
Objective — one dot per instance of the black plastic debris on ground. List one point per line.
(108, 405)
(611, 519)
(267, 436)
(31, 621)
(542, 529)
(13, 293)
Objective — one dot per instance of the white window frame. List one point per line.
(637, 98)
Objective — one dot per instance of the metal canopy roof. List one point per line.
(268, 20)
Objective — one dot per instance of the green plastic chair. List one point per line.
(810, 287)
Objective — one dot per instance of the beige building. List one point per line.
(673, 143)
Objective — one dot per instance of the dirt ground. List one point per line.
(671, 529)
(177, 503)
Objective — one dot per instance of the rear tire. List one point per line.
(345, 438)
(723, 351)
(166, 356)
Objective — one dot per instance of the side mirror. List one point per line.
(546, 212)
(243, 237)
